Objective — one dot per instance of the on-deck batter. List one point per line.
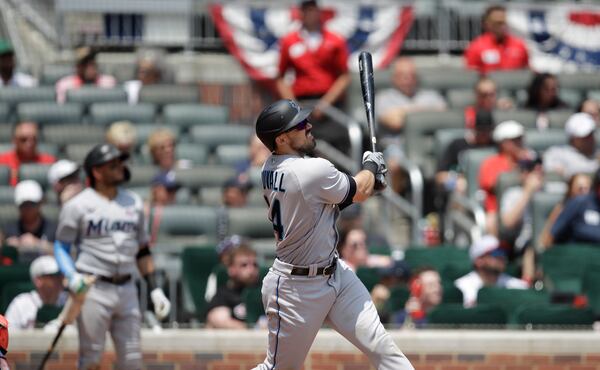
(307, 284)
(107, 224)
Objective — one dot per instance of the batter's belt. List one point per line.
(308, 270)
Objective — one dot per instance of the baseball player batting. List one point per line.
(107, 224)
(307, 284)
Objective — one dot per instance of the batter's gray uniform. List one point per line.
(304, 195)
(108, 234)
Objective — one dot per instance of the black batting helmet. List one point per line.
(103, 153)
(277, 118)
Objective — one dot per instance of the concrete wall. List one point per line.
(241, 350)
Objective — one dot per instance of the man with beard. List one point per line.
(489, 263)
(308, 285)
(106, 223)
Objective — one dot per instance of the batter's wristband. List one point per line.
(371, 167)
(151, 281)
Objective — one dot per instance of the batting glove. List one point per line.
(78, 283)
(374, 162)
(380, 182)
(162, 305)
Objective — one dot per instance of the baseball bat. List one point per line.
(365, 68)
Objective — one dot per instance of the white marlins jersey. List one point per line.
(303, 195)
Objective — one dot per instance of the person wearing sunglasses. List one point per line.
(308, 284)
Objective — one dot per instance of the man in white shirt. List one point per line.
(489, 263)
(8, 76)
(22, 311)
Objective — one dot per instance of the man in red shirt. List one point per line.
(496, 49)
(25, 139)
(319, 59)
(508, 136)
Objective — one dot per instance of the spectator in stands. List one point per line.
(508, 137)
(235, 192)
(425, 294)
(63, 177)
(449, 176)
(496, 48)
(224, 250)
(352, 248)
(319, 60)
(579, 221)
(32, 234)
(227, 310)
(123, 135)
(580, 154)
(47, 279)
(397, 274)
(148, 71)
(257, 155)
(578, 184)
(162, 146)
(353, 217)
(25, 140)
(392, 106)
(86, 73)
(163, 192)
(485, 100)
(591, 107)
(8, 76)
(489, 263)
(542, 96)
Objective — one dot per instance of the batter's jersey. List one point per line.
(303, 195)
(107, 232)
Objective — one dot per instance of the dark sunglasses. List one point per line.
(299, 127)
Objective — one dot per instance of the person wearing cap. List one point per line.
(8, 76)
(489, 263)
(86, 73)
(224, 250)
(163, 192)
(508, 137)
(235, 192)
(319, 59)
(48, 282)
(579, 221)
(25, 135)
(580, 154)
(449, 176)
(123, 135)
(64, 178)
(32, 233)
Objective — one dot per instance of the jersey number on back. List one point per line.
(276, 217)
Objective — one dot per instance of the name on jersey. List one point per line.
(273, 180)
(104, 226)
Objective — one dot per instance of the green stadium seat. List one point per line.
(460, 98)
(369, 276)
(47, 313)
(10, 252)
(13, 289)
(454, 271)
(540, 141)
(525, 117)
(17, 95)
(546, 314)
(195, 114)
(46, 113)
(51, 73)
(65, 134)
(205, 176)
(419, 131)
(251, 222)
(4, 112)
(88, 95)
(252, 297)
(197, 154)
(509, 300)
(188, 220)
(398, 297)
(451, 293)
(564, 266)
(542, 204)
(77, 152)
(4, 175)
(454, 314)
(197, 264)
(591, 287)
(36, 172)
(471, 160)
(231, 154)
(17, 273)
(215, 135)
(169, 94)
(437, 257)
(107, 113)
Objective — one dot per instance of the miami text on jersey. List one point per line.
(104, 226)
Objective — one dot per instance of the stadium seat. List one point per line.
(546, 314)
(369, 276)
(197, 264)
(47, 313)
(48, 148)
(542, 204)
(46, 113)
(36, 172)
(4, 175)
(250, 222)
(540, 141)
(419, 130)
(203, 176)
(212, 196)
(579, 81)
(144, 130)
(184, 196)
(453, 271)
(525, 117)
(187, 115)
(169, 94)
(558, 118)
(215, 135)
(460, 98)
(51, 73)
(591, 287)
(443, 79)
(107, 113)
(142, 175)
(88, 95)
(511, 81)
(65, 134)
(10, 252)
(594, 94)
(252, 297)
(442, 140)
(8, 215)
(471, 160)
(13, 274)
(4, 112)
(451, 293)
(510, 300)
(398, 296)
(17, 95)
(13, 289)
(564, 266)
(454, 314)
(571, 96)
(231, 154)
(437, 257)
(77, 152)
(5, 131)
(188, 220)
(196, 154)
